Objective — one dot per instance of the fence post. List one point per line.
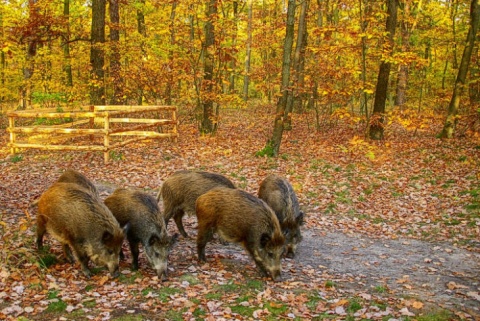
(106, 137)
(11, 125)
(92, 122)
(174, 116)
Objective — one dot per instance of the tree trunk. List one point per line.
(28, 69)
(407, 27)
(274, 143)
(3, 65)
(66, 46)
(209, 119)
(246, 77)
(377, 119)
(449, 127)
(231, 72)
(142, 30)
(453, 16)
(474, 87)
(168, 88)
(363, 75)
(299, 62)
(402, 76)
(97, 59)
(115, 65)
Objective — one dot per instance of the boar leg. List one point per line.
(68, 253)
(204, 235)
(41, 229)
(84, 264)
(135, 252)
(177, 217)
(257, 258)
(83, 258)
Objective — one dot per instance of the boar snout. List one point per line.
(276, 275)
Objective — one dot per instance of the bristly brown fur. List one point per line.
(180, 191)
(240, 217)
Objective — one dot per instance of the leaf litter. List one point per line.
(392, 229)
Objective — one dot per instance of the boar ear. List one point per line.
(300, 218)
(126, 228)
(107, 237)
(264, 239)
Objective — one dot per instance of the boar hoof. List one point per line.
(162, 275)
(87, 273)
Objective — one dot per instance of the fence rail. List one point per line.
(98, 122)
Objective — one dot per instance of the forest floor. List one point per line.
(392, 228)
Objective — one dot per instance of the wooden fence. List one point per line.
(105, 127)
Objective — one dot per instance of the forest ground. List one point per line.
(392, 229)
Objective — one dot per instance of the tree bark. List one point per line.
(407, 27)
(363, 75)
(66, 46)
(449, 127)
(97, 59)
(298, 64)
(402, 77)
(3, 65)
(142, 30)
(246, 76)
(280, 115)
(209, 118)
(28, 69)
(168, 88)
(115, 65)
(377, 119)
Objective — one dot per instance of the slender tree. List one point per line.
(115, 65)
(32, 42)
(298, 64)
(171, 27)
(209, 122)
(363, 76)
(449, 127)
(97, 59)
(66, 45)
(377, 120)
(142, 30)
(286, 93)
(3, 63)
(248, 48)
(408, 23)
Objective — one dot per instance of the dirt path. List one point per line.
(433, 272)
(436, 273)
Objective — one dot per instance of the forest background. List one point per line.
(239, 69)
(205, 57)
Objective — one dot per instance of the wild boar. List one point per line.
(239, 217)
(280, 196)
(147, 226)
(80, 221)
(180, 191)
(72, 176)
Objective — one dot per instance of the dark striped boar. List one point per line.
(180, 191)
(72, 176)
(280, 196)
(82, 223)
(239, 217)
(147, 226)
